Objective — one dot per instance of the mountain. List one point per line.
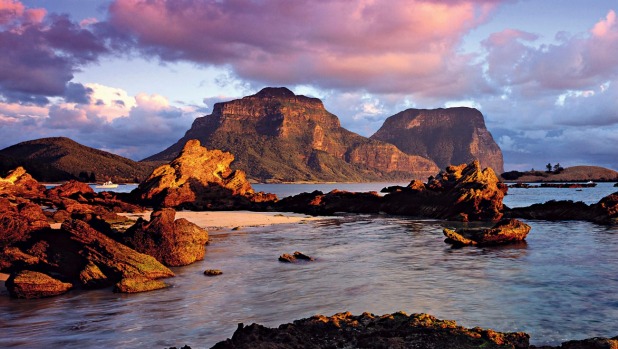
(449, 136)
(60, 158)
(278, 136)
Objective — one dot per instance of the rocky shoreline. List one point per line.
(97, 247)
(390, 331)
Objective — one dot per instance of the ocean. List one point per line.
(559, 285)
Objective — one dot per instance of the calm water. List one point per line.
(560, 285)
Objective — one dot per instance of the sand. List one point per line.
(219, 220)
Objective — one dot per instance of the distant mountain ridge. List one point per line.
(568, 174)
(60, 158)
(277, 136)
(449, 136)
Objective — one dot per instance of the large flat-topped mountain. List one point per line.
(449, 136)
(60, 158)
(276, 135)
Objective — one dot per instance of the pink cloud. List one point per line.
(40, 53)
(11, 10)
(606, 26)
(573, 62)
(385, 46)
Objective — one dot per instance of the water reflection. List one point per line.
(560, 285)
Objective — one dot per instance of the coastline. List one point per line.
(218, 220)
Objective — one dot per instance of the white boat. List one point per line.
(107, 185)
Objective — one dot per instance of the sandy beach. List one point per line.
(217, 220)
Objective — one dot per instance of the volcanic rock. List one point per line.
(138, 284)
(212, 272)
(295, 257)
(18, 221)
(464, 192)
(318, 203)
(31, 284)
(84, 256)
(278, 136)
(18, 183)
(396, 331)
(69, 189)
(449, 136)
(171, 242)
(199, 179)
(504, 232)
(554, 211)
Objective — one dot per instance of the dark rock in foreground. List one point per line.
(172, 242)
(397, 330)
(504, 232)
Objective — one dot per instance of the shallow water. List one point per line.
(560, 285)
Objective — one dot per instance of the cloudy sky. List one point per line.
(130, 76)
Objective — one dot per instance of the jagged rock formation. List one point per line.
(449, 136)
(172, 242)
(397, 331)
(19, 183)
(199, 179)
(60, 159)
(279, 136)
(462, 193)
(45, 262)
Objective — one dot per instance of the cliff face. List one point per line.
(279, 136)
(449, 136)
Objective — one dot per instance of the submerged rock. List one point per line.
(199, 179)
(397, 330)
(31, 284)
(295, 257)
(172, 242)
(212, 272)
(504, 232)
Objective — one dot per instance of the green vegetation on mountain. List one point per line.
(277, 136)
(60, 158)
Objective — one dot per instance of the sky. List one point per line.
(130, 76)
